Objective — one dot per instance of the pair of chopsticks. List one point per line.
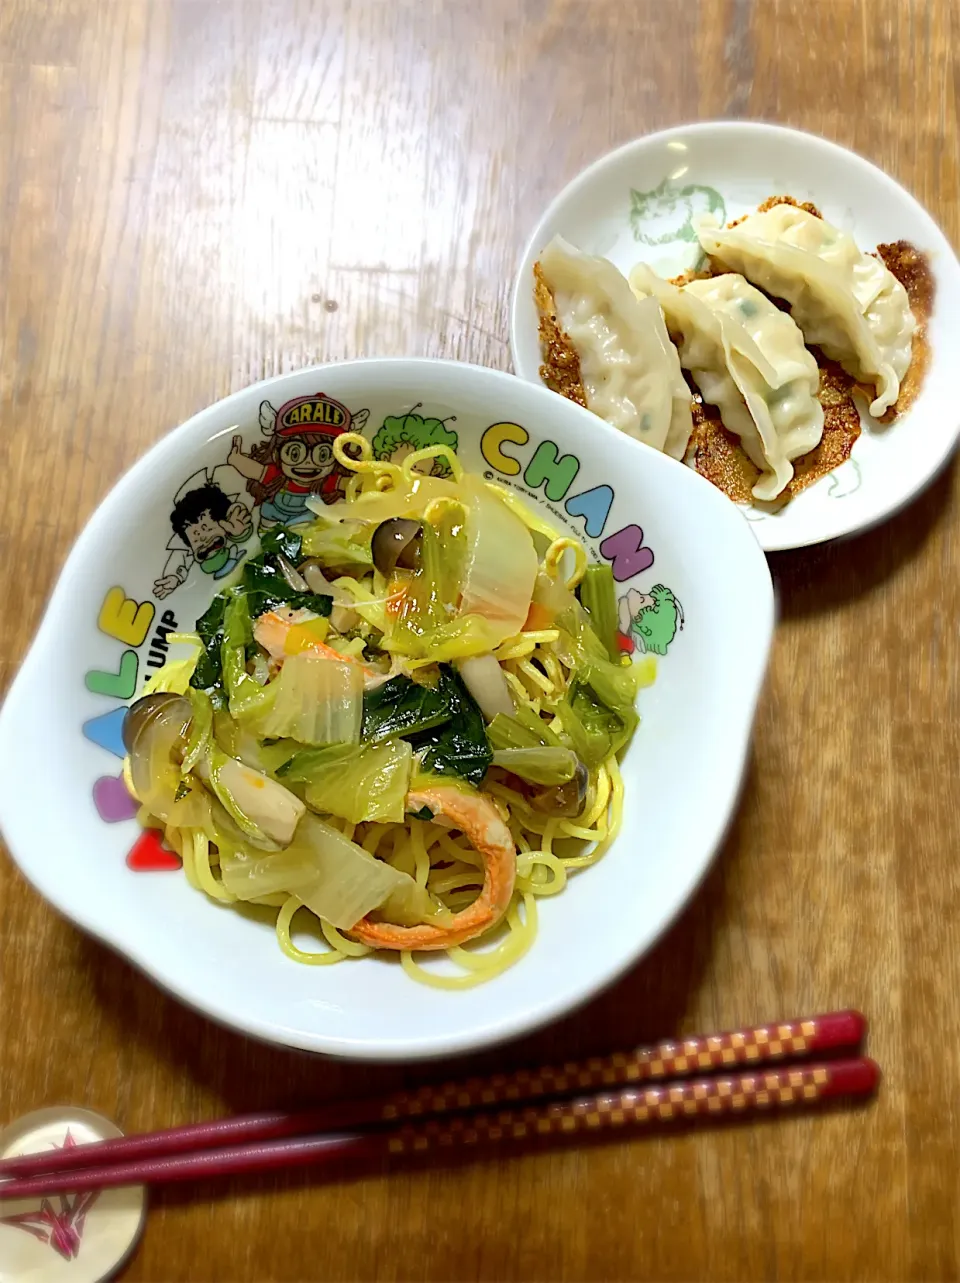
(694, 1080)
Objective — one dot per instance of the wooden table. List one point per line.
(195, 194)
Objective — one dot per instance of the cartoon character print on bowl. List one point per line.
(296, 460)
(214, 529)
(648, 621)
(681, 207)
(401, 434)
(210, 525)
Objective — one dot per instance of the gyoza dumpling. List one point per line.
(846, 302)
(787, 365)
(629, 369)
(764, 389)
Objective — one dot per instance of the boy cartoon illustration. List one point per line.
(296, 460)
(209, 526)
(648, 621)
(401, 434)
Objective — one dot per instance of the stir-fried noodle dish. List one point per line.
(401, 723)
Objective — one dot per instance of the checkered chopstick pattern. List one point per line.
(787, 1040)
(683, 1100)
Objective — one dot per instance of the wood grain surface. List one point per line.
(198, 193)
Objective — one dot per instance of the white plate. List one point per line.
(638, 203)
(62, 804)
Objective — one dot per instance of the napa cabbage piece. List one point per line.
(426, 599)
(176, 676)
(460, 638)
(410, 498)
(529, 514)
(501, 561)
(332, 876)
(313, 700)
(240, 742)
(354, 782)
(201, 730)
(342, 547)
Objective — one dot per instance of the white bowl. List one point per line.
(639, 203)
(693, 741)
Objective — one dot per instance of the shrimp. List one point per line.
(476, 817)
(284, 632)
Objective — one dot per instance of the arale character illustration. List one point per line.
(648, 621)
(296, 460)
(401, 434)
(209, 525)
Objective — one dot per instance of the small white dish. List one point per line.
(693, 576)
(640, 202)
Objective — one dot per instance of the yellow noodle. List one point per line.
(421, 860)
(482, 967)
(323, 958)
(554, 555)
(432, 452)
(201, 867)
(547, 885)
(534, 674)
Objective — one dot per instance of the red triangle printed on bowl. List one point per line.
(149, 855)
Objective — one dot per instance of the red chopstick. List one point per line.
(765, 1044)
(713, 1097)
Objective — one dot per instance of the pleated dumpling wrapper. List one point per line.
(846, 302)
(629, 370)
(748, 359)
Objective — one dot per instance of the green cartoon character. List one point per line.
(401, 434)
(648, 621)
(679, 205)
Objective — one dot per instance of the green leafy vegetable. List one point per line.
(599, 601)
(538, 765)
(343, 547)
(237, 631)
(525, 729)
(442, 722)
(598, 712)
(357, 783)
(201, 730)
(208, 672)
(594, 729)
(399, 707)
(459, 746)
(266, 589)
(283, 542)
